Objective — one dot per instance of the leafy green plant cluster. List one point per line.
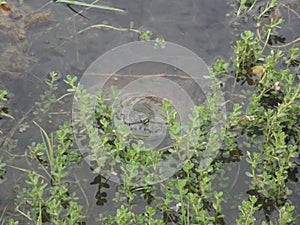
(272, 122)
(271, 119)
(247, 210)
(188, 198)
(46, 197)
(49, 97)
(274, 110)
(108, 142)
(124, 216)
(247, 52)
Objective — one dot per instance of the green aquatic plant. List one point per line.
(279, 124)
(293, 59)
(12, 222)
(188, 197)
(3, 95)
(271, 119)
(48, 98)
(274, 98)
(124, 216)
(108, 139)
(145, 35)
(247, 52)
(189, 190)
(47, 198)
(181, 202)
(244, 6)
(247, 210)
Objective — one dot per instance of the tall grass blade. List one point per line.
(73, 2)
(48, 143)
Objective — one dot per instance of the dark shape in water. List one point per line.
(100, 196)
(274, 39)
(75, 11)
(70, 7)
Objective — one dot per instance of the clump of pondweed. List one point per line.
(271, 119)
(187, 197)
(48, 98)
(275, 109)
(259, 119)
(109, 149)
(247, 52)
(47, 197)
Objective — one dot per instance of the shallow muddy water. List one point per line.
(59, 43)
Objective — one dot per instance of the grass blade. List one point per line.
(48, 143)
(90, 5)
